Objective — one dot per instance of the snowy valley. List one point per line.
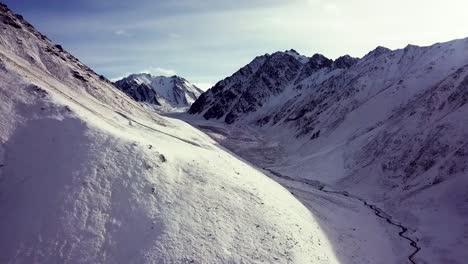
(292, 159)
(389, 129)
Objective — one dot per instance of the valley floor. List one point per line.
(359, 231)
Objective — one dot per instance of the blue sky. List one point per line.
(206, 41)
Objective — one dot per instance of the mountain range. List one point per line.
(390, 127)
(292, 159)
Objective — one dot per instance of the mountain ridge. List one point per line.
(299, 67)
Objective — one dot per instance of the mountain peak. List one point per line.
(172, 92)
(345, 62)
(296, 55)
(292, 51)
(377, 52)
(319, 58)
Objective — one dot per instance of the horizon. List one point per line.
(206, 41)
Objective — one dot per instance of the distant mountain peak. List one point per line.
(411, 46)
(320, 59)
(377, 52)
(315, 63)
(292, 52)
(171, 92)
(345, 62)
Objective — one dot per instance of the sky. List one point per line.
(205, 41)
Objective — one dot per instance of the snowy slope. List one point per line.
(89, 176)
(390, 127)
(172, 92)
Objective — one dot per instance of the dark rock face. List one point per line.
(215, 101)
(271, 79)
(13, 21)
(315, 63)
(181, 92)
(345, 62)
(139, 92)
(199, 104)
(249, 88)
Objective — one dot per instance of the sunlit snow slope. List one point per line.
(88, 176)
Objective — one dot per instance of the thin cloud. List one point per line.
(173, 35)
(157, 71)
(121, 32)
(118, 78)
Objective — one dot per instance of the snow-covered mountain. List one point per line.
(391, 127)
(266, 77)
(173, 92)
(87, 175)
